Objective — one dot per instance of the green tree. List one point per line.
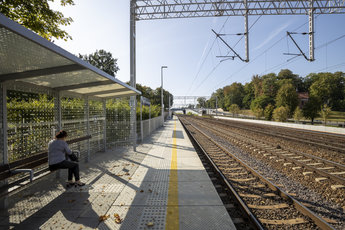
(287, 97)
(261, 102)
(268, 112)
(312, 108)
(234, 109)
(329, 88)
(37, 16)
(325, 112)
(234, 94)
(298, 114)
(249, 95)
(201, 101)
(286, 74)
(281, 113)
(103, 60)
(258, 112)
(269, 85)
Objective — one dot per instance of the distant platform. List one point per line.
(163, 185)
(316, 128)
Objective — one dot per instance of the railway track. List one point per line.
(266, 203)
(290, 157)
(326, 141)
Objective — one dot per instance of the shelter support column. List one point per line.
(3, 121)
(105, 125)
(3, 141)
(133, 120)
(141, 119)
(87, 122)
(150, 119)
(57, 108)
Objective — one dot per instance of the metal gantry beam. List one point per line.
(163, 9)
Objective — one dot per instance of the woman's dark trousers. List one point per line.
(73, 168)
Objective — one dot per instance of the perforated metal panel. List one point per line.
(118, 122)
(96, 120)
(30, 121)
(18, 47)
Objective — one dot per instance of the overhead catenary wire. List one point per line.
(215, 67)
(208, 53)
(254, 59)
(319, 47)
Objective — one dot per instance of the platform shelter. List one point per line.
(44, 88)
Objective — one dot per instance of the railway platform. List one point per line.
(163, 185)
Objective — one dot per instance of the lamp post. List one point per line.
(162, 67)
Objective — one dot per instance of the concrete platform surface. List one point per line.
(163, 185)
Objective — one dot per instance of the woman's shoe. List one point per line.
(70, 184)
(79, 183)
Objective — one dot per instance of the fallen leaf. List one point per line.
(150, 224)
(130, 178)
(126, 173)
(150, 190)
(103, 217)
(118, 220)
(71, 201)
(141, 190)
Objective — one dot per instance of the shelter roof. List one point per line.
(27, 57)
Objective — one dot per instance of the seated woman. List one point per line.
(57, 150)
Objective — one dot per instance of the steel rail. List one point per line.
(300, 207)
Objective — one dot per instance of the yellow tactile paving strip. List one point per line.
(172, 219)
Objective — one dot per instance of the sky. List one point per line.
(189, 48)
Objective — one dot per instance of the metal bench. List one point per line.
(28, 164)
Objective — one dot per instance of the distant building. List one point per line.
(303, 99)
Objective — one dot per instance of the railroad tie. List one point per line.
(243, 179)
(337, 186)
(314, 164)
(296, 157)
(319, 179)
(338, 173)
(274, 206)
(249, 195)
(305, 160)
(296, 168)
(325, 168)
(282, 222)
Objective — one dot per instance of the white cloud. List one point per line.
(273, 34)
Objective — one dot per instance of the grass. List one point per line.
(335, 116)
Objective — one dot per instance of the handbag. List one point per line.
(73, 156)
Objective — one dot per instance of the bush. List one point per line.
(268, 112)
(325, 112)
(281, 113)
(234, 109)
(298, 114)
